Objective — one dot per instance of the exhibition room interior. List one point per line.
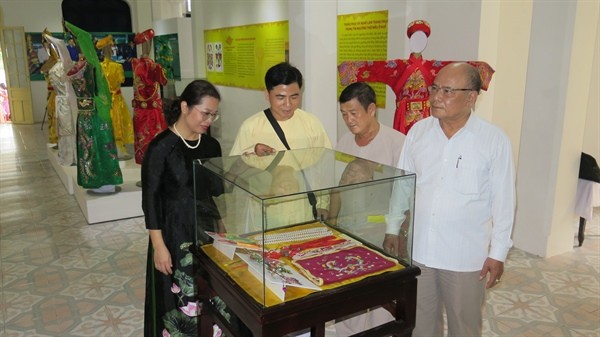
(70, 271)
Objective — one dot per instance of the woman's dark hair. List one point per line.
(282, 73)
(361, 91)
(192, 95)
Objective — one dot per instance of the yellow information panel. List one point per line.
(363, 37)
(240, 56)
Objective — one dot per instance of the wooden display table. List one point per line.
(310, 310)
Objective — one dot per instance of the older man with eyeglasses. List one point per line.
(464, 205)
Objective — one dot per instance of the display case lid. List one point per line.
(298, 171)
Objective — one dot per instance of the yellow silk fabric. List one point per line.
(51, 112)
(238, 271)
(122, 120)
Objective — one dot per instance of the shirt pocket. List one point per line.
(466, 179)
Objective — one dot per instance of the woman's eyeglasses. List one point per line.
(213, 117)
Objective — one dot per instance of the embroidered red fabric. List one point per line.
(343, 265)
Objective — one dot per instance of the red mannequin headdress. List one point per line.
(144, 36)
(418, 25)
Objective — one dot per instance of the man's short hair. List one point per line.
(474, 78)
(282, 73)
(361, 91)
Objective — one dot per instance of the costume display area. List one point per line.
(409, 79)
(96, 208)
(279, 268)
(86, 160)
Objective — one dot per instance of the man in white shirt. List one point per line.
(464, 205)
(366, 139)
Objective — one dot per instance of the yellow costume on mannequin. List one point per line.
(119, 113)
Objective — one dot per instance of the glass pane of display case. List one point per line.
(297, 222)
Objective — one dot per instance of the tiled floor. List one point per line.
(60, 276)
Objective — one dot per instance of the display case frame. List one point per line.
(242, 267)
(396, 290)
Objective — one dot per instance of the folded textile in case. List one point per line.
(343, 265)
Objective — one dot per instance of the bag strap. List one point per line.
(312, 199)
(276, 127)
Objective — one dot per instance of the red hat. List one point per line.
(418, 25)
(144, 36)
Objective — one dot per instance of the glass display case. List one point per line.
(302, 225)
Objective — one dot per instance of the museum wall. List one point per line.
(450, 39)
(512, 37)
(237, 103)
(457, 40)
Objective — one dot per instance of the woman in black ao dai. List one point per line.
(168, 202)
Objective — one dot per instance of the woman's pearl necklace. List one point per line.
(184, 142)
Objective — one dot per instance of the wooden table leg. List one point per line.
(205, 323)
(317, 331)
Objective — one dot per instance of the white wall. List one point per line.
(165, 9)
(591, 135)
(315, 100)
(556, 109)
(236, 103)
(499, 39)
(313, 38)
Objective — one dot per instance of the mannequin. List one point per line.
(409, 79)
(119, 113)
(148, 76)
(97, 164)
(66, 103)
(50, 98)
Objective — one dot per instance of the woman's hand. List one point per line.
(162, 260)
